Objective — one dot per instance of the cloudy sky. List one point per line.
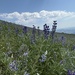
(39, 12)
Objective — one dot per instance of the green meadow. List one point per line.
(20, 56)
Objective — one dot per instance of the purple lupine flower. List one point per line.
(43, 57)
(38, 31)
(69, 72)
(46, 31)
(73, 47)
(24, 29)
(53, 29)
(74, 73)
(13, 66)
(63, 40)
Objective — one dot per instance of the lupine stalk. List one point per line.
(33, 34)
(53, 29)
(25, 30)
(38, 31)
(46, 31)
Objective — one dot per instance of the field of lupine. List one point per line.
(35, 52)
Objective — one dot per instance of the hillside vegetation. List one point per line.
(22, 53)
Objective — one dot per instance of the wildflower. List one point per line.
(12, 56)
(69, 72)
(46, 31)
(43, 57)
(25, 53)
(25, 29)
(74, 73)
(63, 40)
(38, 74)
(46, 52)
(73, 47)
(25, 73)
(38, 31)
(13, 66)
(53, 29)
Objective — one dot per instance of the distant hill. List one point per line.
(12, 24)
(9, 23)
(66, 30)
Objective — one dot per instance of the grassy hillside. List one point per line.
(21, 54)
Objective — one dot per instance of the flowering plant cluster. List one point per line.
(23, 52)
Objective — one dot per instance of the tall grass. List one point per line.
(18, 56)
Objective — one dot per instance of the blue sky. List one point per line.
(38, 12)
(7, 6)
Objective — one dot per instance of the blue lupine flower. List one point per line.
(43, 57)
(13, 66)
(38, 31)
(73, 47)
(69, 72)
(74, 73)
(24, 29)
(46, 31)
(53, 29)
(63, 40)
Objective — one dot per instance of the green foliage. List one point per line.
(59, 58)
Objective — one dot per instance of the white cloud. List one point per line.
(40, 18)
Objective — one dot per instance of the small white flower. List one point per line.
(12, 56)
(46, 52)
(25, 53)
(38, 74)
(25, 73)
